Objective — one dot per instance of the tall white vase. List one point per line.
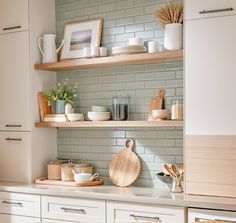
(173, 36)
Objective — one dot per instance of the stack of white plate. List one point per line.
(99, 113)
(130, 49)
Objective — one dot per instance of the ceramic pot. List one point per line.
(60, 107)
(173, 36)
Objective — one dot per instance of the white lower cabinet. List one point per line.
(4, 218)
(118, 212)
(74, 210)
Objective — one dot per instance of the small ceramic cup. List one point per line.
(153, 47)
(86, 52)
(103, 51)
(136, 41)
(94, 51)
(84, 177)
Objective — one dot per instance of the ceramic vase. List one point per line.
(60, 107)
(173, 36)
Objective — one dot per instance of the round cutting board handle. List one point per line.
(130, 144)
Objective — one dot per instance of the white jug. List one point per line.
(49, 50)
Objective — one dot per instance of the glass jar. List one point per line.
(177, 110)
(120, 108)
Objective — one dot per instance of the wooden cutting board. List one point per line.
(125, 167)
(44, 108)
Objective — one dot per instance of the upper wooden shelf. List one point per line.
(143, 58)
(111, 124)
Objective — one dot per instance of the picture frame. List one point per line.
(79, 35)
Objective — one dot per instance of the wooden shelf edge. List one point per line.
(110, 124)
(133, 59)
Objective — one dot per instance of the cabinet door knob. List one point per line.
(216, 10)
(12, 27)
(13, 126)
(13, 139)
(155, 219)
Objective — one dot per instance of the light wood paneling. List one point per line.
(210, 162)
(101, 124)
(144, 58)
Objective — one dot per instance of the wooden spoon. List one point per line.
(175, 170)
(169, 170)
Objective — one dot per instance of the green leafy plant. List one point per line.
(63, 91)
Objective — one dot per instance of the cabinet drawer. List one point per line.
(20, 204)
(133, 213)
(15, 149)
(14, 15)
(69, 209)
(194, 8)
(17, 219)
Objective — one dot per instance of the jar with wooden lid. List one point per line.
(177, 110)
(54, 169)
(66, 171)
(83, 167)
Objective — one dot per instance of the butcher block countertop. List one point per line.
(129, 194)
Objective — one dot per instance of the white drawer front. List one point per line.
(20, 204)
(220, 8)
(132, 213)
(17, 219)
(78, 210)
(56, 221)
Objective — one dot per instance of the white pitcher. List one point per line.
(49, 50)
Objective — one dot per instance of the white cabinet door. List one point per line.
(20, 204)
(14, 84)
(208, 8)
(15, 160)
(118, 212)
(210, 76)
(17, 219)
(75, 210)
(14, 15)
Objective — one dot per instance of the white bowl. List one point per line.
(160, 114)
(99, 116)
(73, 117)
(99, 109)
(85, 177)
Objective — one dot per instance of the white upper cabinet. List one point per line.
(210, 76)
(14, 84)
(14, 15)
(208, 8)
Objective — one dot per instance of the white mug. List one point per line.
(49, 50)
(84, 177)
(94, 51)
(103, 51)
(153, 46)
(87, 52)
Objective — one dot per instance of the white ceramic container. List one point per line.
(103, 51)
(173, 39)
(87, 52)
(99, 109)
(160, 114)
(99, 116)
(153, 46)
(94, 51)
(136, 41)
(84, 177)
(73, 117)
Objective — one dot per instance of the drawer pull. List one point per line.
(12, 203)
(216, 10)
(157, 219)
(12, 126)
(72, 210)
(13, 27)
(13, 139)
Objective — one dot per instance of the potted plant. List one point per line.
(61, 95)
(171, 17)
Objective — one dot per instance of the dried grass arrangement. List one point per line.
(171, 13)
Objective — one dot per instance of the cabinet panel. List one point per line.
(134, 213)
(17, 219)
(20, 204)
(210, 78)
(78, 210)
(14, 15)
(15, 156)
(14, 85)
(212, 8)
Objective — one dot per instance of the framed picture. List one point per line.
(80, 35)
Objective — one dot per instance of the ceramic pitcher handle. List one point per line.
(94, 176)
(39, 45)
(62, 43)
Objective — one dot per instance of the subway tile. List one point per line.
(124, 21)
(106, 7)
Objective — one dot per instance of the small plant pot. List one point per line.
(60, 106)
(173, 36)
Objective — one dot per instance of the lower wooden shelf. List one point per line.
(111, 124)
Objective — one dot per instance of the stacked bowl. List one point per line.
(99, 113)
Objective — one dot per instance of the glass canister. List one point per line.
(120, 108)
(66, 171)
(83, 167)
(177, 110)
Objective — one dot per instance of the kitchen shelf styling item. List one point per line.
(125, 167)
(45, 181)
(54, 169)
(66, 171)
(44, 108)
(120, 108)
(177, 110)
(126, 50)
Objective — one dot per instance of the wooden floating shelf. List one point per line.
(111, 124)
(132, 59)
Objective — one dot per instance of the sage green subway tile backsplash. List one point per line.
(123, 19)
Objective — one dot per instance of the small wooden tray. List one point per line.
(45, 181)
